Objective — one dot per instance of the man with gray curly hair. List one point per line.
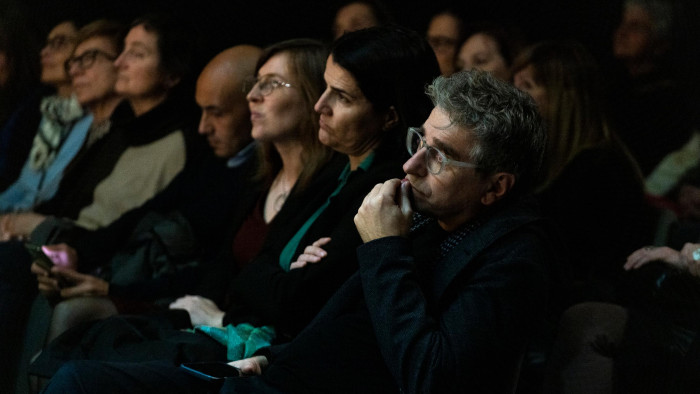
(452, 277)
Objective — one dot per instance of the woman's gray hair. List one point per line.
(510, 135)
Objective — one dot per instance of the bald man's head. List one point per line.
(225, 116)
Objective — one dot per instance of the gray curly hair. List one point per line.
(510, 135)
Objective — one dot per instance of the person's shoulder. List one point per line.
(519, 225)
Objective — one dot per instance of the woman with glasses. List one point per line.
(92, 84)
(369, 101)
(61, 123)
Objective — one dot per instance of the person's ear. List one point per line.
(499, 185)
(391, 118)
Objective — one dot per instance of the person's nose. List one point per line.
(415, 165)
(254, 95)
(204, 125)
(321, 105)
(119, 61)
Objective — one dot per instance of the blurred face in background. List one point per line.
(481, 52)
(59, 47)
(92, 70)
(443, 37)
(525, 81)
(354, 16)
(633, 38)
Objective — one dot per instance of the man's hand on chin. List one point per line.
(386, 211)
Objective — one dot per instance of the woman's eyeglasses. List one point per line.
(87, 59)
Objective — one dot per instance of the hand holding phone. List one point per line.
(38, 256)
(44, 261)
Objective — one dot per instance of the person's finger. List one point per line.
(321, 241)
(74, 291)
(44, 289)
(371, 195)
(68, 273)
(405, 202)
(297, 265)
(49, 283)
(38, 270)
(315, 251)
(640, 257)
(309, 258)
(390, 188)
(181, 302)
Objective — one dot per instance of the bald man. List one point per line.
(225, 117)
(186, 222)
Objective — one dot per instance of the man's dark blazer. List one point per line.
(457, 324)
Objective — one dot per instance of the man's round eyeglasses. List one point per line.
(265, 85)
(435, 159)
(87, 59)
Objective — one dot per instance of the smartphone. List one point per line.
(211, 371)
(38, 256)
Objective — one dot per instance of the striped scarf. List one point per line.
(59, 114)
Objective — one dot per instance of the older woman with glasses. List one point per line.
(60, 132)
(93, 86)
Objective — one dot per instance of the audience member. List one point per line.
(357, 15)
(492, 49)
(36, 131)
(55, 115)
(92, 76)
(468, 271)
(588, 177)
(648, 346)
(650, 109)
(445, 32)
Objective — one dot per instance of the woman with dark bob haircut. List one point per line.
(375, 83)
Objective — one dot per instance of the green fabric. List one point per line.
(241, 341)
(287, 253)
